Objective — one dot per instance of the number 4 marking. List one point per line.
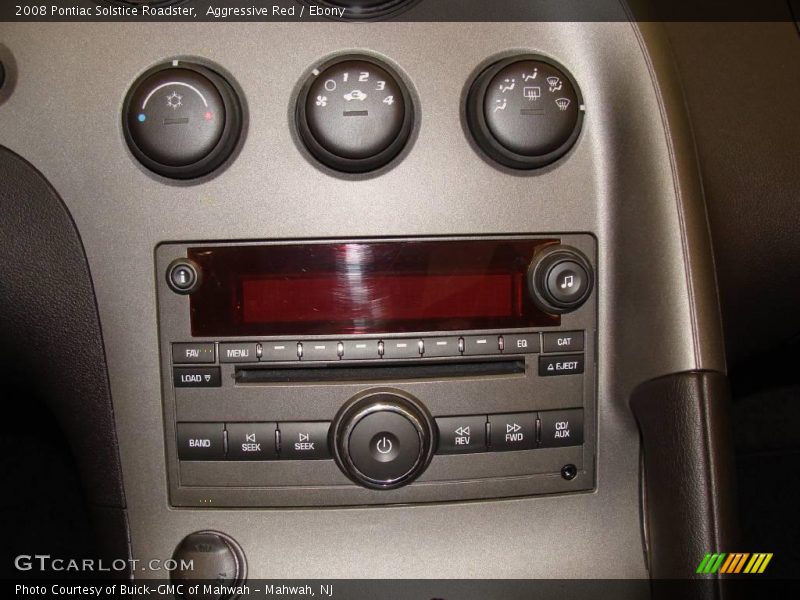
(388, 100)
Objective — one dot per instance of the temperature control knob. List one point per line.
(182, 120)
(560, 279)
(525, 112)
(355, 114)
(383, 439)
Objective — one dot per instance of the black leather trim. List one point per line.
(50, 328)
(689, 488)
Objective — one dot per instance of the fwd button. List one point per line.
(512, 432)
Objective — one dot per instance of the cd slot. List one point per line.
(371, 372)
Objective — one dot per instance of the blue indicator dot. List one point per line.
(142, 117)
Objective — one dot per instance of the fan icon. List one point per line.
(562, 103)
(322, 101)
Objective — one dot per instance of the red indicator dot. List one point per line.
(209, 116)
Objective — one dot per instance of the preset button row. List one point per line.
(509, 432)
(253, 441)
(390, 348)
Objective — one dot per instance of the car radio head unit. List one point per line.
(377, 371)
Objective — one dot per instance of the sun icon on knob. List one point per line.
(174, 100)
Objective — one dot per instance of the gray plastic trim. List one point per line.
(618, 183)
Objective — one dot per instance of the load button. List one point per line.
(565, 364)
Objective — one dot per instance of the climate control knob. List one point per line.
(560, 279)
(383, 440)
(355, 114)
(182, 120)
(525, 112)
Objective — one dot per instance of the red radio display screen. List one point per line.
(364, 288)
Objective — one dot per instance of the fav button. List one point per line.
(185, 354)
(561, 428)
(304, 441)
(251, 441)
(512, 432)
(461, 435)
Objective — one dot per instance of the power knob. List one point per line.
(383, 439)
(560, 279)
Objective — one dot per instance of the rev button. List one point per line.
(461, 435)
(196, 377)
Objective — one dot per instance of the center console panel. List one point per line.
(377, 371)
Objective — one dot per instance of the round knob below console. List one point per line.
(213, 557)
(383, 440)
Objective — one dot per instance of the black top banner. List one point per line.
(349, 11)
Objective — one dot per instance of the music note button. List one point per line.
(567, 281)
